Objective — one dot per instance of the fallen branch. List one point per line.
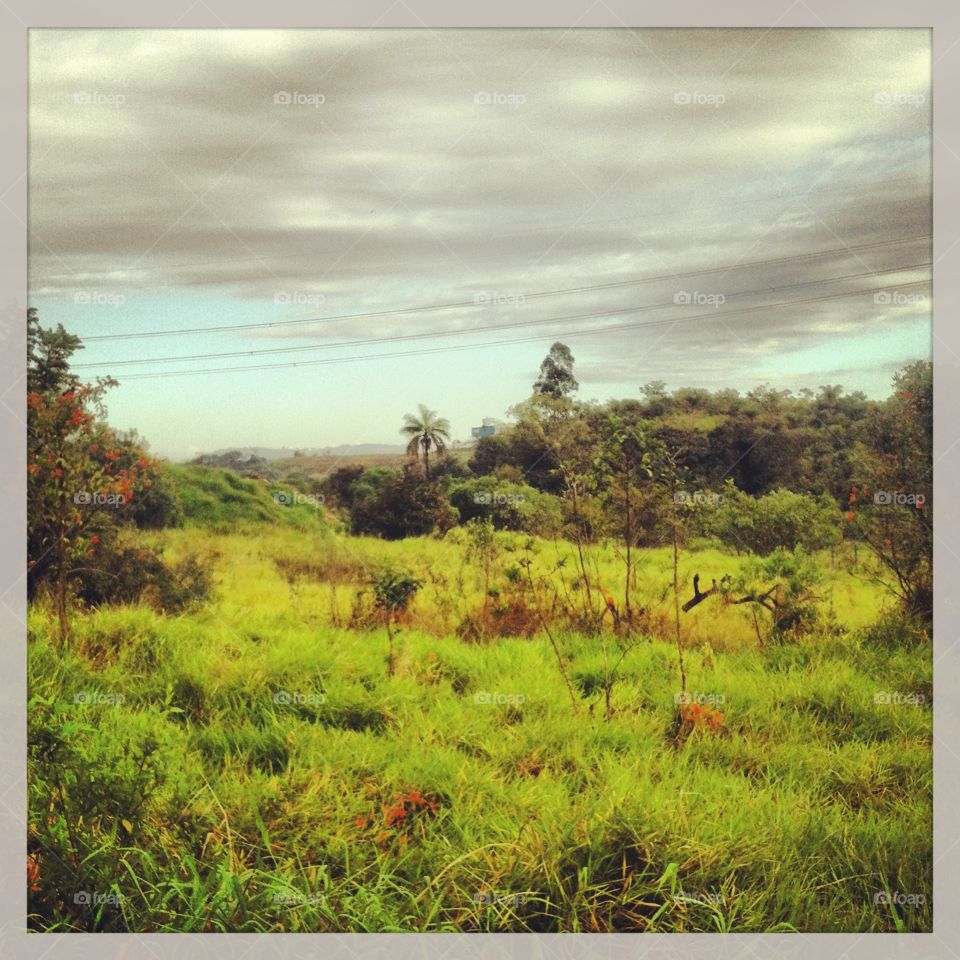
(699, 597)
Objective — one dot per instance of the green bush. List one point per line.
(781, 519)
(406, 505)
(509, 505)
(135, 574)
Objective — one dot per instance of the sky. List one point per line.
(383, 218)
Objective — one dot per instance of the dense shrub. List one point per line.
(508, 505)
(780, 519)
(338, 487)
(896, 629)
(406, 505)
(135, 575)
(158, 505)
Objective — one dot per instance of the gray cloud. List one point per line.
(442, 164)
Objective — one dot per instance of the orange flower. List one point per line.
(33, 872)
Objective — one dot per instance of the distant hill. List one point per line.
(319, 466)
(241, 462)
(287, 453)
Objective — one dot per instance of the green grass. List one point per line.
(224, 791)
(222, 500)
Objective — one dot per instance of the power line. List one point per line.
(482, 329)
(839, 251)
(515, 340)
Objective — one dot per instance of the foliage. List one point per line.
(426, 430)
(406, 505)
(556, 373)
(780, 519)
(393, 590)
(890, 507)
(507, 504)
(784, 584)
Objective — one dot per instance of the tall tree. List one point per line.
(48, 356)
(425, 431)
(556, 373)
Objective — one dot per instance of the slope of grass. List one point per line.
(239, 768)
(222, 500)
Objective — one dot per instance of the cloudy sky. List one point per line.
(329, 227)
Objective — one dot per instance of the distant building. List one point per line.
(488, 429)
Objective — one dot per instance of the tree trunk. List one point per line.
(626, 591)
(676, 589)
(583, 566)
(61, 592)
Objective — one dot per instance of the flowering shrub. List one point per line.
(696, 716)
(399, 820)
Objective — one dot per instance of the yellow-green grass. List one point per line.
(272, 731)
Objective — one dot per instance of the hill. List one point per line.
(219, 498)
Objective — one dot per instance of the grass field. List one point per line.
(251, 766)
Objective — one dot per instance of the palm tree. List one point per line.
(426, 431)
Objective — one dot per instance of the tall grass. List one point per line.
(234, 768)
